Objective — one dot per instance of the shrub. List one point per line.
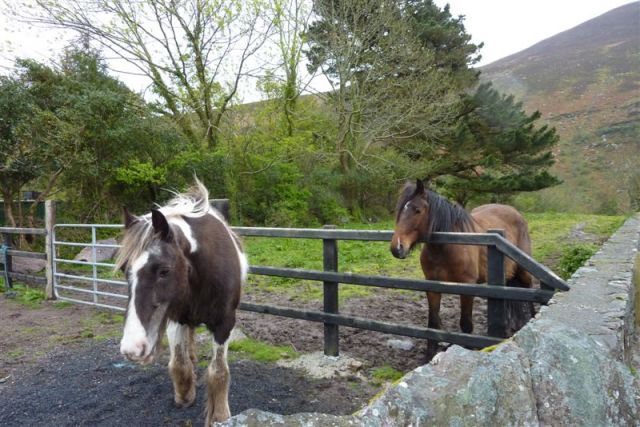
(573, 257)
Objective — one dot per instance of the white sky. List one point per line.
(505, 27)
(509, 26)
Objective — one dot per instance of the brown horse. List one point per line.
(421, 212)
(185, 267)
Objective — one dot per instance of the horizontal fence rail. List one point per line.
(538, 270)
(517, 294)
(111, 293)
(459, 338)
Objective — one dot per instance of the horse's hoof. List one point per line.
(217, 417)
(184, 403)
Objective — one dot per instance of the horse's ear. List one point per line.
(419, 187)
(160, 224)
(128, 218)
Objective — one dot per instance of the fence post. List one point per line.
(222, 206)
(330, 261)
(6, 243)
(496, 308)
(49, 223)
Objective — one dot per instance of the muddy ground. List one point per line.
(60, 365)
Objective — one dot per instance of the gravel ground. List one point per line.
(93, 386)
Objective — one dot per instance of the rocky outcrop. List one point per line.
(566, 367)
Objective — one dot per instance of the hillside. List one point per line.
(586, 83)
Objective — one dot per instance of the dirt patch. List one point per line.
(61, 365)
(370, 347)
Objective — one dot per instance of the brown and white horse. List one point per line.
(185, 267)
(421, 212)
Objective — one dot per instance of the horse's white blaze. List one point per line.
(134, 338)
(242, 258)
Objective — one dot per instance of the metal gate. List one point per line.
(86, 281)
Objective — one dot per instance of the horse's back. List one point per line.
(219, 267)
(507, 218)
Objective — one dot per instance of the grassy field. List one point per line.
(561, 241)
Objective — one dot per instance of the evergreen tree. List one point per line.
(496, 148)
(447, 37)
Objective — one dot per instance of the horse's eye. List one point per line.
(416, 210)
(163, 272)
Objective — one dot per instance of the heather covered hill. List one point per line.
(586, 83)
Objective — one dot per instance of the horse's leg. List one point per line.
(182, 363)
(218, 379)
(466, 313)
(433, 298)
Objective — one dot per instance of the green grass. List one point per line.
(549, 232)
(15, 354)
(62, 304)
(262, 352)
(25, 295)
(386, 374)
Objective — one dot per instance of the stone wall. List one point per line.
(569, 366)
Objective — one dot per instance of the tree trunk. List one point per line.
(8, 208)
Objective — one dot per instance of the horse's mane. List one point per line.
(443, 215)
(139, 236)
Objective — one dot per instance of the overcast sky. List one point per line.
(509, 26)
(505, 27)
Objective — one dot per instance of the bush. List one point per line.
(573, 258)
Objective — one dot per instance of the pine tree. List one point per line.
(496, 148)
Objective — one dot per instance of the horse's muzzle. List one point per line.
(399, 250)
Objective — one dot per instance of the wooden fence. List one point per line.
(497, 292)
(500, 296)
(7, 253)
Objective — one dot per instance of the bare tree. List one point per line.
(195, 52)
(291, 18)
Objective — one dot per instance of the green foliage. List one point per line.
(573, 258)
(445, 35)
(28, 296)
(386, 373)
(496, 149)
(262, 352)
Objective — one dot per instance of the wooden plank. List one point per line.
(222, 206)
(16, 230)
(28, 278)
(480, 290)
(26, 254)
(330, 294)
(468, 340)
(538, 270)
(6, 260)
(496, 308)
(309, 233)
(363, 235)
